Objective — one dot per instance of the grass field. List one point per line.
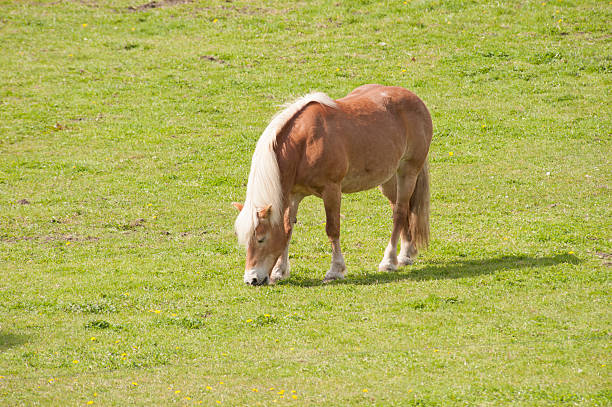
(126, 130)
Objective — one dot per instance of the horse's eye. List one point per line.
(261, 239)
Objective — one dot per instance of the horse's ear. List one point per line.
(238, 206)
(264, 213)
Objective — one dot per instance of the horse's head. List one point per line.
(264, 246)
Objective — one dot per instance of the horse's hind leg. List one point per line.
(399, 190)
(332, 197)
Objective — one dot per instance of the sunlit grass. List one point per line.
(126, 132)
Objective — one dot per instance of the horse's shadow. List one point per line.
(441, 271)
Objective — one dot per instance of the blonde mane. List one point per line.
(264, 186)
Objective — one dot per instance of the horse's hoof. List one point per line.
(405, 261)
(387, 266)
(278, 275)
(333, 275)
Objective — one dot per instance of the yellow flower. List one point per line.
(93, 338)
(84, 25)
(450, 153)
(90, 402)
(215, 20)
(365, 390)
(75, 361)
(281, 392)
(208, 388)
(133, 29)
(255, 390)
(249, 320)
(177, 391)
(134, 384)
(570, 252)
(187, 398)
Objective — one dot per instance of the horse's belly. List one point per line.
(356, 181)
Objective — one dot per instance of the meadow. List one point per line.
(126, 131)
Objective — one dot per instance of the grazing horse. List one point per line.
(375, 136)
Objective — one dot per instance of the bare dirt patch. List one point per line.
(158, 4)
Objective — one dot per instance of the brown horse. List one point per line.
(375, 136)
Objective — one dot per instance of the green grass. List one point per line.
(125, 134)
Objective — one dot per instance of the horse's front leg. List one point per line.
(281, 268)
(332, 196)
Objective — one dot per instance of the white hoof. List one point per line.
(405, 260)
(387, 265)
(279, 273)
(334, 274)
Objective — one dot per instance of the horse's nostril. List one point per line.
(254, 281)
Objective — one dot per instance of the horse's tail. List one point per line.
(419, 210)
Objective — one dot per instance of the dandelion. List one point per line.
(337, 69)
(249, 320)
(403, 70)
(215, 20)
(570, 252)
(436, 350)
(95, 394)
(90, 402)
(281, 392)
(84, 25)
(217, 401)
(133, 29)
(255, 390)
(67, 243)
(75, 361)
(294, 397)
(365, 390)
(177, 391)
(221, 383)
(93, 338)
(208, 388)
(450, 153)
(134, 384)
(187, 398)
